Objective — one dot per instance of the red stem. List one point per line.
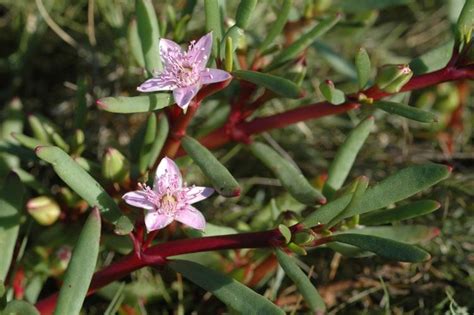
(245, 129)
(156, 255)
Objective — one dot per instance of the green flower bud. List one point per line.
(321, 5)
(303, 237)
(391, 78)
(115, 166)
(297, 249)
(78, 142)
(44, 210)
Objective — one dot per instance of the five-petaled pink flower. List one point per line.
(184, 72)
(170, 199)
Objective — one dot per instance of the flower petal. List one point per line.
(214, 75)
(155, 221)
(199, 52)
(191, 217)
(167, 48)
(167, 175)
(138, 199)
(156, 84)
(196, 193)
(183, 96)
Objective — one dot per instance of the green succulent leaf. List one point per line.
(222, 180)
(17, 307)
(81, 267)
(362, 62)
(271, 82)
(85, 186)
(135, 104)
(235, 295)
(404, 212)
(244, 11)
(147, 144)
(27, 142)
(409, 112)
(214, 23)
(135, 43)
(303, 42)
(289, 175)
(303, 283)
(410, 234)
(384, 247)
(331, 94)
(433, 60)
(11, 206)
(465, 22)
(278, 25)
(367, 5)
(159, 140)
(399, 186)
(149, 34)
(341, 165)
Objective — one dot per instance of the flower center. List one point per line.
(168, 204)
(186, 75)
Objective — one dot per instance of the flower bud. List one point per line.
(115, 166)
(392, 78)
(44, 210)
(60, 261)
(297, 249)
(304, 237)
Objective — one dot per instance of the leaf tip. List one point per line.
(450, 168)
(95, 213)
(323, 200)
(100, 103)
(38, 149)
(236, 192)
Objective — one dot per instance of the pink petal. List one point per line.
(196, 193)
(167, 48)
(191, 217)
(167, 174)
(200, 52)
(183, 96)
(155, 221)
(138, 199)
(156, 84)
(214, 75)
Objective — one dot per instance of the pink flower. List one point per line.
(184, 72)
(169, 199)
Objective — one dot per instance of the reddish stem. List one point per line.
(243, 130)
(156, 255)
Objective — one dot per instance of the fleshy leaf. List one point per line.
(213, 23)
(147, 144)
(384, 247)
(244, 10)
(79, 272)
(306, 288)
(406, 111)
(160, 138)
(18, 307)
(85, 186)
(135, 104)
(289, 175)
(278, 25)
(149, 33)
(235, 295)
(135, 44)
(303, 42)
(331, 94)
(271, 82)
(362, 62)
(405, 212)
(410, 234)
(222, 180)
(11, 205)
(346, 155)
(397, 187)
